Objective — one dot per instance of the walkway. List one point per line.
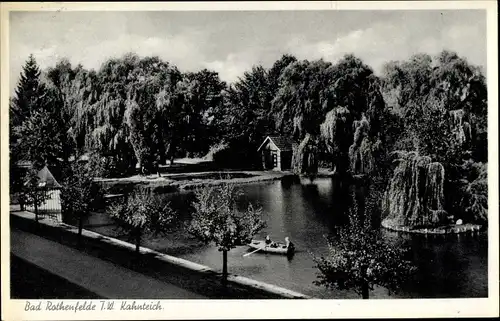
(103, 278)
(31, 282)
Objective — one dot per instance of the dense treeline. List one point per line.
(144, 111)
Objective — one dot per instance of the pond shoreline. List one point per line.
(171, 183)
(445, 229)
(181, 181)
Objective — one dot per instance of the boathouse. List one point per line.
(276, 153)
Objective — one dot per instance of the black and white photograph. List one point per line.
(254, 154)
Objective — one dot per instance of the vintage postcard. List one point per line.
(177, 160)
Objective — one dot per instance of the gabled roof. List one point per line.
(283, 143)
(47, 179)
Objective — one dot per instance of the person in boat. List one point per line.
(270, 243)
(289, 244)
(290, 248)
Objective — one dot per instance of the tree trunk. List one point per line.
(342, 164)
(80, 228)
(224, 267)
(171, 151)
(365, 291)
(36, 210)
(137, 241)
(21, 203)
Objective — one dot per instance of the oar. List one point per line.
(247, 254)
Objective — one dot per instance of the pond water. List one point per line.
(448, 266)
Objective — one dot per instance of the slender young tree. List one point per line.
(217, 219)
(34, 191)
(79, 194)
(359, 259)
(144, 213)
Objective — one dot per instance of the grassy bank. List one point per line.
(170, 183)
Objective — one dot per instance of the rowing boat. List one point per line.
(275, 247)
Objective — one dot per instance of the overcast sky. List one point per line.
(231, 42)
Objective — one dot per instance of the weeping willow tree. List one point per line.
(354, 152)
(335, 132)
(472, 199)
(109, 134)
(129, 120)
(299, 110)
(206, 99)
(299, 100)
(131, 109)
(352, 124)
(179, 112)
(305, 156)
(460, 127)
(475, 194)
(363, 149)
(142, 114)
(415, 194)
(442, 101)
(76, 90)
(141, 118)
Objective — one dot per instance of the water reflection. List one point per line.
(306, 212)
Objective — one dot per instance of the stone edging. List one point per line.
(188, 265)
(457, 229)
